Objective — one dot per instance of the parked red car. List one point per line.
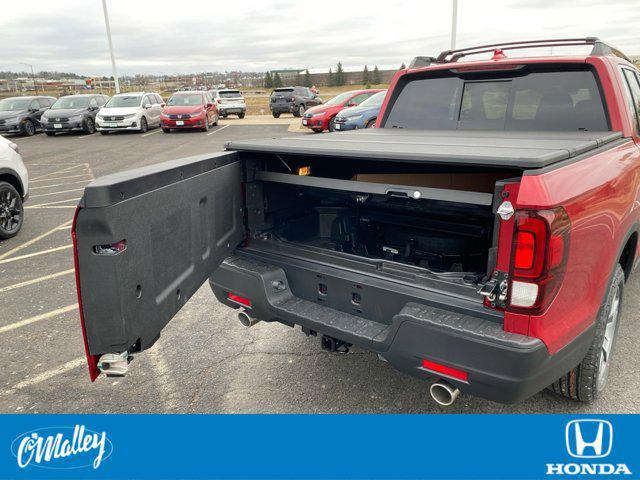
(194, 109)
(323, 116)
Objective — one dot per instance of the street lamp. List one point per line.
(454, 24)
(33, 77)
(113, 58)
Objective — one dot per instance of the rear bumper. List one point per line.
(284, 108)
(501, 366)
(223, 110)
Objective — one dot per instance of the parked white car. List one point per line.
(137, 111)
(14, 189)
(229, 102)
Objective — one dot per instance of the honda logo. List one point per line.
(589, 438)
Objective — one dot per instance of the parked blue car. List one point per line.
(362, 116)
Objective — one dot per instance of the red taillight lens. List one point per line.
(445, 370)
(540, 249)
(238, 299)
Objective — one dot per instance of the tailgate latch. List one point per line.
(495, 289)
(115, 364)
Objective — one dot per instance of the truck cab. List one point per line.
(480, 236)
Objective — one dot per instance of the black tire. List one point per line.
(223, 115)
(317, 130)
(11, 211)
(215, 124)
(332, 124)
(50, 134)
(144, 126)
(371, 123)
(104, 132)
(205, 128)
(89, 126)
(276, 114)
(166, 130)
(28, 128)
(300, 111)
(584, 382)
(241, 115)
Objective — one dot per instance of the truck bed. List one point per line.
(523, 150)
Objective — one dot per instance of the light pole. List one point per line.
(454, 24)
(33, 77)
(113, 58)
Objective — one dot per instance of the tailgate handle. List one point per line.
(415, 194)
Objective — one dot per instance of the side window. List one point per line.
(159, 99)
(147, 100)
(93, 102)
(358, 99)
(34, 105)
(99, 100)
(44, 103)
(633, 94)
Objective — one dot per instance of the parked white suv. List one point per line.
(229, 101)
(14, 189)
(130, 111)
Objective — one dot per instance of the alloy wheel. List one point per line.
(608, 340)
(10, 211)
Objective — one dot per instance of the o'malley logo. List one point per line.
(61, 448)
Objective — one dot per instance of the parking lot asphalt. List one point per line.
(205, 361)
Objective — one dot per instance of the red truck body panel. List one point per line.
(600, 193)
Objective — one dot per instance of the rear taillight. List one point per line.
(539, 255)
(239, 299)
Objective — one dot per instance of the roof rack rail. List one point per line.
(599, 48)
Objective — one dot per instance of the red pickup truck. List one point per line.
(481, 236)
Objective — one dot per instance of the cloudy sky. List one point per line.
(192, 36)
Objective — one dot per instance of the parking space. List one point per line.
(204, 361)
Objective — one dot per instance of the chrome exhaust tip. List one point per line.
(246, 319)
(444, 393)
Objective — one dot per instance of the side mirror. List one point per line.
(147, 105)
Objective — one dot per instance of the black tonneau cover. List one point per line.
(458, 147)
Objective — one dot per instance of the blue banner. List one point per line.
(319, 446)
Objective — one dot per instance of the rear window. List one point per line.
(568, 100)
(230, 94)
(282, 91)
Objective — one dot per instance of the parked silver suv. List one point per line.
(229, 101)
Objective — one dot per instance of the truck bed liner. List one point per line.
(458, 147)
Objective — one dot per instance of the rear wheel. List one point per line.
(371, 123)
(89, 127)
(276, 114)
(144, 126)
(301, 110)
(241, 115)
(104, 132)
(332, 124)
(28, 128)
(11, 211)
(589, 378)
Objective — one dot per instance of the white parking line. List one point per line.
(34, 240)
(152, 133)
(64, 178)
(51, 206)
(35, 254)
(53, 203)
(33, 281)
(56, 193)
(60, 171)
(218, 129)
(85, 136)
(38, 318)
(44, 376)
(41, 187)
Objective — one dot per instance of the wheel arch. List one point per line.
(628, 253)
(12, 179)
